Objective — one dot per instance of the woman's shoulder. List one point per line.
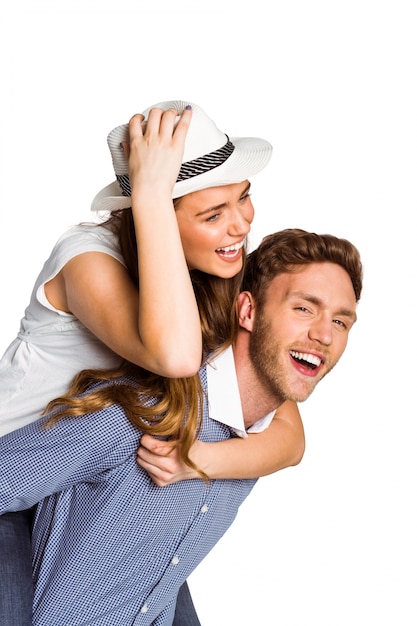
(76, 240)
(88, 232)
(87, 237)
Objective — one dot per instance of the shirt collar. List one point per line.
(224, 398)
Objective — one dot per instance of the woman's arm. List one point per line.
(279, 446)
(159, 328)
(169, 322)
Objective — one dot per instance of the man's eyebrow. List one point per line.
(317, 301)
(217, 207)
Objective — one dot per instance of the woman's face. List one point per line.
(213, 224)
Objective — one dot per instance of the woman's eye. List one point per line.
(213, 218)
(245, 197)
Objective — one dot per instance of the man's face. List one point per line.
(303, 329)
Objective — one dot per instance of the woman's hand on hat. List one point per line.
(155, 150)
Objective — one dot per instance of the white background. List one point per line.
(332, 85)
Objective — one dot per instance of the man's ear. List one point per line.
(246, 310)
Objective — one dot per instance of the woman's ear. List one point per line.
(246, 310)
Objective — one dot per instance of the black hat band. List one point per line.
(190, 169)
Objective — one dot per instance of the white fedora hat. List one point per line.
(210, 159)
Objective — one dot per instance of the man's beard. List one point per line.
(265, 351)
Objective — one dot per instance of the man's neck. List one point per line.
(257, 400)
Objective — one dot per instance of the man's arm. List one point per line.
(37, 460)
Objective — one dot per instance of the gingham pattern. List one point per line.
(109, 546)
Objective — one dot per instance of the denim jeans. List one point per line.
(185, 613)
(16, 589)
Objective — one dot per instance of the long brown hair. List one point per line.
(176, 410)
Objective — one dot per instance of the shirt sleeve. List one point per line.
(38, 460)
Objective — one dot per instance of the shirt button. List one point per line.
(204, 508)
(144, 609)
(175, 560)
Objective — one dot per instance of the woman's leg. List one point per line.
(16, 588)
(185, 613)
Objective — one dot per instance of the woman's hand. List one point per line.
(155, 151)
(162, 461)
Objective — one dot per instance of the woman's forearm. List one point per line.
(281, 445)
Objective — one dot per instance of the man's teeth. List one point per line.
(304, 356)
(234, 248)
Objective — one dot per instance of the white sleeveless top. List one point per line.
(52, 346)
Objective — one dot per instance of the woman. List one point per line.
(87, 310)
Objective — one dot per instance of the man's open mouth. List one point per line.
(308, 360)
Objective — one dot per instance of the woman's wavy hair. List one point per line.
(176, 411)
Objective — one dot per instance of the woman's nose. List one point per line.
(239, 223)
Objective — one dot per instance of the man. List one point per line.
(110, 547)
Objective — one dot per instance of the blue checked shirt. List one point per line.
(110, 547)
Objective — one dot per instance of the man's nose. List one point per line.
(321, 330)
